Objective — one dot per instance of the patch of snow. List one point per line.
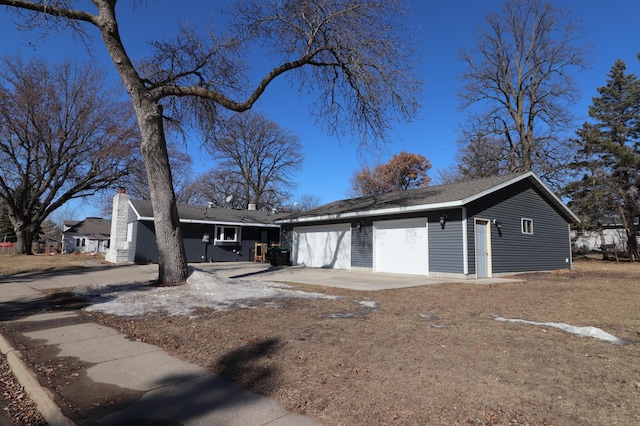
(368, 304)
(588, 331)
(202, 290)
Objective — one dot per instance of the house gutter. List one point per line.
(397, 210)
(210, 222)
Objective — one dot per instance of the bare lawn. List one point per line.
(430, 355)
(11, 264)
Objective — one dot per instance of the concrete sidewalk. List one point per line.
(138, 383)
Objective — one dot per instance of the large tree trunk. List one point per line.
(24, 238)
(172, 259)
(171, 254)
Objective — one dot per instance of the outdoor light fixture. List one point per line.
(498, 225)
(359, 226)
(443, 220)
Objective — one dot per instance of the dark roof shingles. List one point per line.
(210, 214)
(414, 197)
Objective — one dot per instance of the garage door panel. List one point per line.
(326, 246)
(402, 247)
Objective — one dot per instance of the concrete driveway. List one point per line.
(349, 279)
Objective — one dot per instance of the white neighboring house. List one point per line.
(86, 236)
(613, 237)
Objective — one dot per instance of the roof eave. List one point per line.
(378, 212)
(216, 222)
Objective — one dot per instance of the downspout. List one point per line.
(465, 243)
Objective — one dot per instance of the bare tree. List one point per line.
(256, 160)
(355, 53)
(306, 202)
(137, 183)
(63, 135)
(519, 79)
(403, 171)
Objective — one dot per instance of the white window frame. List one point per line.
(526, 226)
(221, 230)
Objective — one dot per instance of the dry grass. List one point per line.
(433, 354)
(11, 264)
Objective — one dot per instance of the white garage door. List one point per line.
(327, 246)
(401, 246)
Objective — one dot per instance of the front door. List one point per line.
(483, 244)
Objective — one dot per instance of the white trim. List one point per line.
(465, 243)
(488, 238)
(394, 210)
(570, 251)
(522, 222)
(237, 234)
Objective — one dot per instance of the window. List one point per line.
(527, 226)
(227, 234)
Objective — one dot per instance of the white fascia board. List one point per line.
(536, 181)
(496, 188)
(216, 222)
(138, 217)
(394, 210)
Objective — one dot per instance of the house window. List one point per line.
(527, 226)
(81, 242)
(227, 234)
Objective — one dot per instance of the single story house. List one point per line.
(209, 234)
(482, 228)
(90, 235)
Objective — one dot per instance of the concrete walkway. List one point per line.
(152, 386)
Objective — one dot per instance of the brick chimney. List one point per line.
(118, 245)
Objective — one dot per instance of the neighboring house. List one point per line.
(209, 234)
(86, 236)
(482, 228)
(610, 236)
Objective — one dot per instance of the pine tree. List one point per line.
(609, 156)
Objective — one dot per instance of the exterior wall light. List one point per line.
(443, 220)
(359, 226)
(498, 225)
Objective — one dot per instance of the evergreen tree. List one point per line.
(608, 158)
(6, 227)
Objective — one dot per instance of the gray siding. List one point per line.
(446, 252)
(512, 251)
(146, 249)
(362, 244)
(196, 250)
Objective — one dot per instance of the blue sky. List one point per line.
(443, 29)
